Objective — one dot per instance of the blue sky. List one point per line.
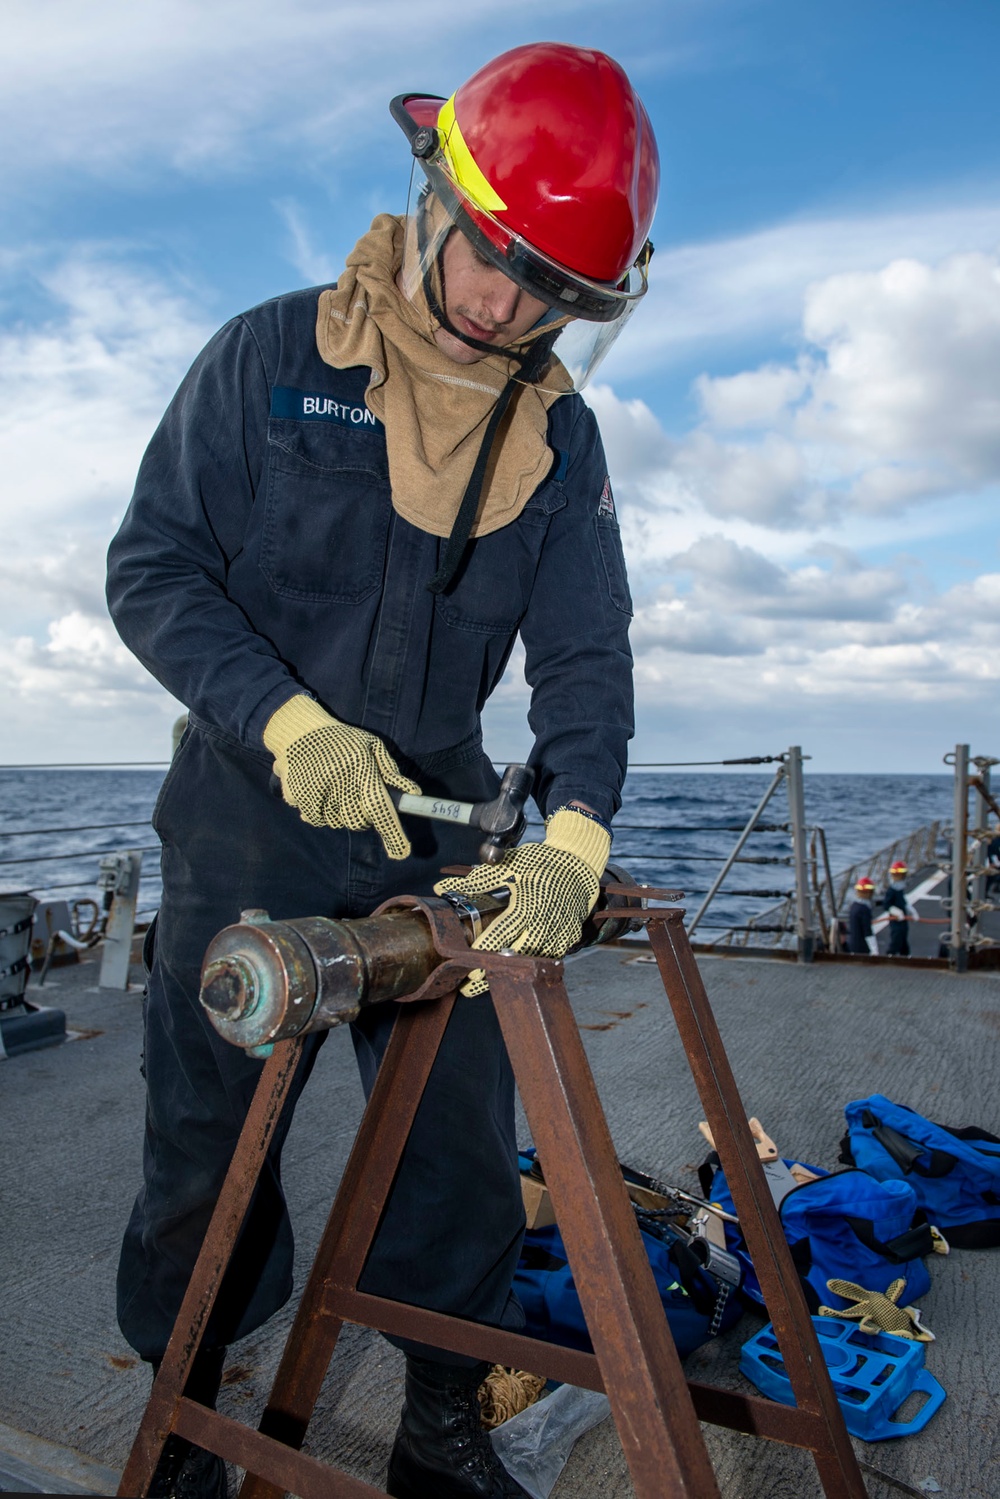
(802, 420)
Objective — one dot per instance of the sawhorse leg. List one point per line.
(818, 1416)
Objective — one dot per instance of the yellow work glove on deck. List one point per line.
(878, 1311)
(336, 775)
(553, 887)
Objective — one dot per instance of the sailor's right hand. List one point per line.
(336, 775)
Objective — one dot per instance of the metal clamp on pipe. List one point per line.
(264, 981)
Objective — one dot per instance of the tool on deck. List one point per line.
(502, 819)
(766, 1148)
(665, 1189)
(781, 1178)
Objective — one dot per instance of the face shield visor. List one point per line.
(583, 317)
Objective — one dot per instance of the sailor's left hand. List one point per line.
(553, 888)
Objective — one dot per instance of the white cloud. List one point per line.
(314, 265)
(82, 663)
(114, 87)
(767, 482)
(635, 443)
(753, 398)
(708, 297)
(742, 598)
(670, 624)
(769, 625)
(894, 400)
(845, 633)
(80, 394)
(846, 589)
(910, 368)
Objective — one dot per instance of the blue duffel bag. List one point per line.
(698, 1307)
(954, 1173)
(843, 1226)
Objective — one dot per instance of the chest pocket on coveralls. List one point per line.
(496, 579)
(326, 514)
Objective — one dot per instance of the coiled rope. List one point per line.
(507, 1392)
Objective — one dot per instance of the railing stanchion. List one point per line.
(958, 950)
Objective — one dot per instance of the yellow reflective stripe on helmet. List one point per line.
(463, 164)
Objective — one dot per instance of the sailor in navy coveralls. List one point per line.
(860, 934)
(329, 556)
(901, 912)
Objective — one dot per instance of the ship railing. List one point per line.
(789, 774)
(805, 917)
(829, 894)
(75, 914)
(80, 887)
(968, 865)
(957, 849)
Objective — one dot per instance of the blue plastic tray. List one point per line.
(871, 1376)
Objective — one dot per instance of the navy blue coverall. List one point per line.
(260, 557)
(859, 926)
(894, 899)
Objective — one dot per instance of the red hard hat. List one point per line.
(551, 144)
(899, 867)
(562, 138)
(865, 885)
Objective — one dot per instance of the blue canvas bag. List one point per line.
(697, 1308)
(846, 1226)
(954, 1173)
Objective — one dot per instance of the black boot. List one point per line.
(188, 1472)
(441, 1450)
(184, 1470)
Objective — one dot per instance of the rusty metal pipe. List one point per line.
(263, 981)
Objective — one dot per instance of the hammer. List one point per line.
(502, 819)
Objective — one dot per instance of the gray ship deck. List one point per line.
(802, 1041)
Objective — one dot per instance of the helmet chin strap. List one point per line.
(530, 363)
(434, 302)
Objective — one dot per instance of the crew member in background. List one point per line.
(359, 498)
(860, 936)
(901, 913)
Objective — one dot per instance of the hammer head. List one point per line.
(502, 819)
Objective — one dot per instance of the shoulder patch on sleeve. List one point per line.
(607, 501)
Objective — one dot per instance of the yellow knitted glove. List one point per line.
(336, 775)
(876, 1311)
(553, 887)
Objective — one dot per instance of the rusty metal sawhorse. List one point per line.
(655, 1409)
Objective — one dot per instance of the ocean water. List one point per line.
(673, 829)
(51, 837)
(677, 829)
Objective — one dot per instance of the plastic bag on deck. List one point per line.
(535, 1445)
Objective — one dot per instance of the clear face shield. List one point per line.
(579, 319)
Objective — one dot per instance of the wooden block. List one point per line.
(537, 1202)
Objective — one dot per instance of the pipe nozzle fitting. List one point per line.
(230, 987)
